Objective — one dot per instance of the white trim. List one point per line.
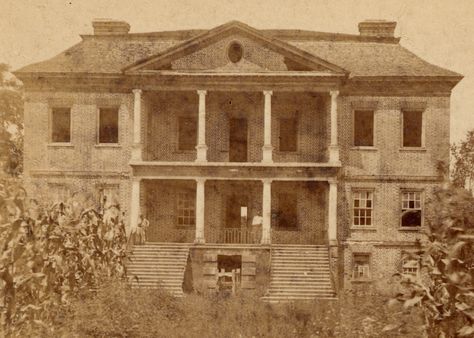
(214, 178)
(236, 164)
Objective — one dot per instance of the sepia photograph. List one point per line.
(242, 169)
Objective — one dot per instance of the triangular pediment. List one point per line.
(234, 47)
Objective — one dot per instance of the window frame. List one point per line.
(51, 113)
(101, 144)
(406, 261)
(65, 186)
(360, 190)
(374, 124)
(369, 266)
(192, 194)
(100, 187)
(177, 133)
(422, 207)
(297, 122)
(423, 123)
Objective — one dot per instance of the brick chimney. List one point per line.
(110, 27)
(377, 28)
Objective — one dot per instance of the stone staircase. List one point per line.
(158, 265)
(299, 272)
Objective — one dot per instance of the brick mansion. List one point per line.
(295, 162)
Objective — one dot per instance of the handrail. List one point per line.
(238, 235)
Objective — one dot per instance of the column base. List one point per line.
(333, 242)
(265, 241)
(267, 152)
(201, 153)
(334, 154)
(199, 241)
(137, 152)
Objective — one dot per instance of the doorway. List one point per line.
(238, 140)
(236, 211)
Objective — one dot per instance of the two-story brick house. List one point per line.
(296, 160)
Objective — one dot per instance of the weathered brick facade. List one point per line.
(308, 76)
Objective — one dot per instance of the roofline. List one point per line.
(197, 40)
(410, 78)
(283, 34)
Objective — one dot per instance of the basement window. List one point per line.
(288, 214)
(229, 268)
(363, 128)
(412, 129)
(361, 266)
(187, 133)
(108, 125)
(288, 134)
(410, 267)
(61, 125)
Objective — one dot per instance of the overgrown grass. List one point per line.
(118, 311)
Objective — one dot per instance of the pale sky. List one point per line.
(440, 31)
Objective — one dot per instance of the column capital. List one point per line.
(137, 91)
(334, 93)
(332, 181)
(268, 92)
(201, 180)
(201, 92)
(267, 180)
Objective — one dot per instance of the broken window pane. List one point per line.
(411, 209)
(61, 125)
(364, 128)
(108, 125)
(288, 134)
(412, 128)
(187, 133)
(361, 266)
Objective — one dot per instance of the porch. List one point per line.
(234, 211)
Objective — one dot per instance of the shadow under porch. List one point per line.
(233, 211)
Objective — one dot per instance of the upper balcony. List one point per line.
(232, 128)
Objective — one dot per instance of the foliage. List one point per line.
(51, 255)
(446, 293)
(463, 160)
(11, 122)
(119, 311)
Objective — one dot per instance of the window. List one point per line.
(108, 125)
(235, 52)
(412, 128)
(361, 266)
(108, 195)
(411, 209)
(288, 134)
(288, 215)
(187, 133)
(363, 128)
(186, 209)
(410, 267)
(362, 206)
(61, 125)
(59, 192)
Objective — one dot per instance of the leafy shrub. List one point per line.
(51, 255)
(446, 295)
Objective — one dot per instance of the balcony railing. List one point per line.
(238, 236)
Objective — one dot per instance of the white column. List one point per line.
(334, 147)
(267, 211)
(137, 125)
(267, 146)
(332, 213)
(134, 205)
(200, 182)
(201, 146)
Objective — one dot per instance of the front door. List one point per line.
(238, 140)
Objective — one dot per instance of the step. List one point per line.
(300, 263)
